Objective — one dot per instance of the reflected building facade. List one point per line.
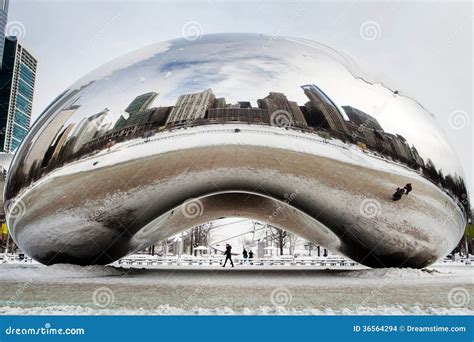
(318, 115)
(278, 103)
(57, 143)
(360, 118)
(190, 107)
(89, 129)
(242, 115)
(133, 111)
(141, 102)
(37, 156)
(320, 101)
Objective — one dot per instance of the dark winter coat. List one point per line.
(408, 188)
(398, 194)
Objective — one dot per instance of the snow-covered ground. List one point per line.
(105, 290)
(263, 310)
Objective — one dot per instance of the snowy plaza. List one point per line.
(443, 289)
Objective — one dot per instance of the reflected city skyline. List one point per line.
(318, 115)
(168, 67)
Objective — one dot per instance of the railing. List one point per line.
(217, 261)
(15, 258)
(148, 260)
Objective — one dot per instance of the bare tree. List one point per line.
(294, 241)
(280, 236)
(197, 236)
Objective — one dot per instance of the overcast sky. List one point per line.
(422, 49)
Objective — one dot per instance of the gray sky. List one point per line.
(422, 49)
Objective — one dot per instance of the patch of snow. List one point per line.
(263, 310)
(58, 271)
(393, 273)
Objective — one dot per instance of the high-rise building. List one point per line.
(400, 147)
(278, 103)
(361, 119)
(314, 116)
(51, 126)
(190, 107)
(248, 115)
(159, 116)
(330, 111)
(88, 129)
(219, 103)
(155, 116)
(3, 24)
(141, 102)
(17, 84)
(245, 104)
(417, 160)
(52, 152)
(61, 140)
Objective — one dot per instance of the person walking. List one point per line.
(228, 255)
(245, 255)
(251, 257)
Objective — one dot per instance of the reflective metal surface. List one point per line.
(276, 129)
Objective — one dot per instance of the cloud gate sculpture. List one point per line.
(279, 130)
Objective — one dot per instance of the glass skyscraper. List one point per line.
(3, 24)
(17, 83)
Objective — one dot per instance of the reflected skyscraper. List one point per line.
(192, 106)
(330, 111)
(219, 103)
(17, 80)
(38, 153)
(61, 140)
(249, 115)
(88, 129)
(360, 118)
(141, 102)
(278, 102)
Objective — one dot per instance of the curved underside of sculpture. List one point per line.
(274, 129)
(99, 212)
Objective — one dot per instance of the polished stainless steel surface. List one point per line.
(276, 129)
